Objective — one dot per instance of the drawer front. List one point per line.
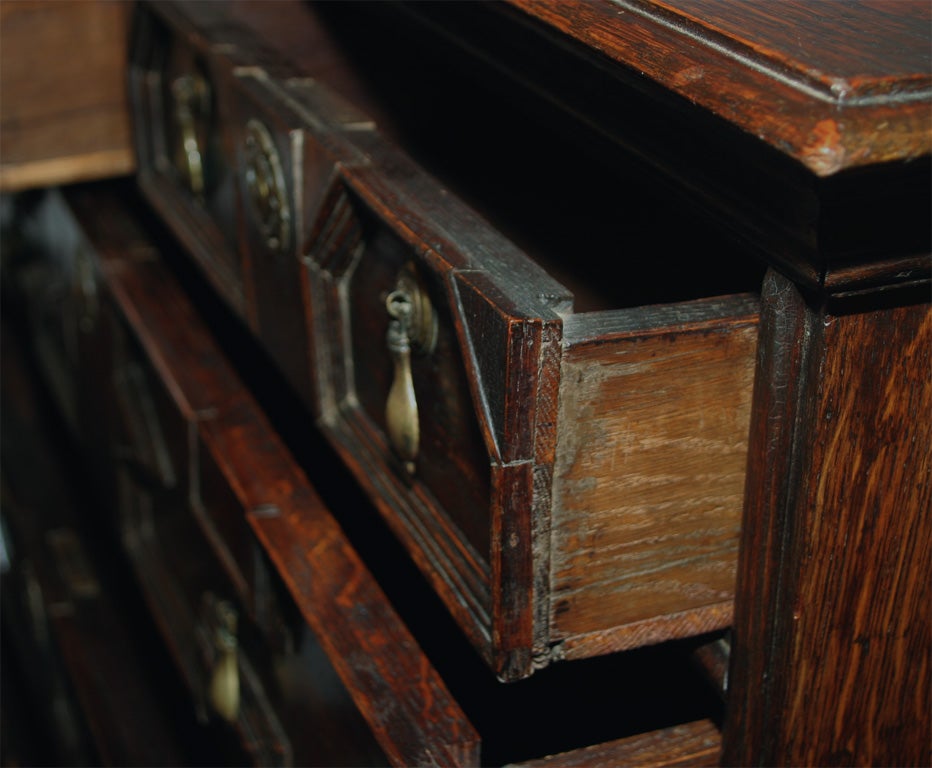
(282, 175)
(179, 540)
(184, 153)
(267, 609)
(443, 414)
(318, 260)
(435, 356)
(221, 126)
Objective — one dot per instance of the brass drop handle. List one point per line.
(224, 688)
(413, 329)
(401, 409)
(189, 93)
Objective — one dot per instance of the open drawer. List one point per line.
(561, 452)
(304, 642)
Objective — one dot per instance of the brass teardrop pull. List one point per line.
(223, 690)
(190, 106)
(413, 327)
(401, 409)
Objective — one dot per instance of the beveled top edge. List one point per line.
(829, 59)
(831, 100)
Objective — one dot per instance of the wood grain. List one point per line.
(691, 744)
(64, 115)
(476, 514)
(650, 473)
(735, 119)
(403, 700)
(831, 90)
(833, 626)
(740, 143)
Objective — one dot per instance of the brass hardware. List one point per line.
(84, 285)
(191, 106)
(265, 182)
(223, 690)
(413, 327)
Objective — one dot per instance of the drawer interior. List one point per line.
(543, 178)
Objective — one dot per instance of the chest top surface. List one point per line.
(834, 84)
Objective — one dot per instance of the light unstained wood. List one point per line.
(64, 113)
(66, 170)
(650, 477)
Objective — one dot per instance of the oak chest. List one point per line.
(569, 479)
(475, 383)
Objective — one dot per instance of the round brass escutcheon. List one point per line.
(265, 184)
(422, 319)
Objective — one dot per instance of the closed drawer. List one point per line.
(563, 458)
(292, 653)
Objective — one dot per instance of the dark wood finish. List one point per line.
(833, 621)
(481, 514)
(480, 396)
(605, 73)
(204, 214)
(691, 744)
(344, 607)
(64, 116)
(72, 633)
(194, 437)
(833, 90)
(513, 139)
(264, 478)
(201, 476)
(814, 149)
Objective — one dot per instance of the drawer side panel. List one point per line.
(649, 480)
